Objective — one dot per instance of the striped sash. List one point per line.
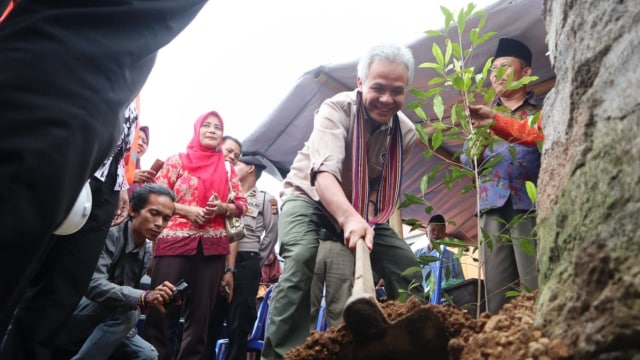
(391, 178)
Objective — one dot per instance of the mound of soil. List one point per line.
(508, 335)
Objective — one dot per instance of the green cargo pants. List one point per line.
(300, 221)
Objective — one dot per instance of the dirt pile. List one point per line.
(508, 335)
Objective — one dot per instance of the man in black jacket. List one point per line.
(68, 69)
(103, 323)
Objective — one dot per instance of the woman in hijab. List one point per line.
(194, 244)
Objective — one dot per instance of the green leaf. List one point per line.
(532, 192)
(402, 298)
(461, 22)
(512, 85)
(439, 125)
(424, 182)
(460, 113)
(428, 210)
(413, 223)
(486, 37)
(438, 106)
(488, 165)
(434, 172)
(436, 139)
(526, 288)
(411, 270)
(421, 114)
(414, 200)
(433, 91)
(535, 119)
(427, 259)
(513, 153)
(459, 173)
(435, 80)
(457, 51)
(427, 154)
(450, 242)
(486, 67)
(457, 65)
(434, 33)
(418, 93)
(489, 96)
(473, 36)
(479, 79)
(447, 54)
(447, 297)
(526, 245)
(458, 83)
(447, 180)
(410, 199)
(454, 116)
(467, 81)
(437, 54)
(470, 8)
(512, 293)
(482, 21)
(414, 105)
(448, 17)
(430, 65)
(422, 134)
(468, 188)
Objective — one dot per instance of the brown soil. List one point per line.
(508, 335)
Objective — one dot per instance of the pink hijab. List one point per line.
(206, 164)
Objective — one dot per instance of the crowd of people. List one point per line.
(81, 294)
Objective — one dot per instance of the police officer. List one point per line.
(261, 234)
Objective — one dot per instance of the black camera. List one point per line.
(180, 291)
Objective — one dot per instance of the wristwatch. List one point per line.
(229, 269)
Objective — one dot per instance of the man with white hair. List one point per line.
(346, 180)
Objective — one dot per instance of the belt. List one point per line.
(248, 254)
(330, 235)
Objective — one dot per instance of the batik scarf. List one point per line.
(391, 177)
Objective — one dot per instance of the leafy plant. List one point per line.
(452, 123)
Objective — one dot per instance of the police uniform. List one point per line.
(261, 217)
(261, 235)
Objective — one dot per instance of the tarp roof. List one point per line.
(283, 133)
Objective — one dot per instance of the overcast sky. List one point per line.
(242, 57)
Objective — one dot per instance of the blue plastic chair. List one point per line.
(436, 294)
(321, 323)
(256, 338)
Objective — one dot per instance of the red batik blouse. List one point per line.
(181, 236)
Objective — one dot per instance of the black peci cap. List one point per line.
(513, 48)
(437, 219)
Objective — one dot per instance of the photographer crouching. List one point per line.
(103, 323)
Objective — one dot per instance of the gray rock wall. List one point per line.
(589, 187)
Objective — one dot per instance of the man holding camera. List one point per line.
(103, 323)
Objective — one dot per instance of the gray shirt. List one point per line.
(261, 224)
(120, 267)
